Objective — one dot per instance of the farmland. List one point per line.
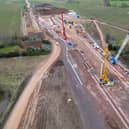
(119, 3)
(10, 12)
(9, 49)
(95, 8)
(14, 71)
(10, 16)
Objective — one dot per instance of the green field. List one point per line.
(119, 3)
(10, 12)
(13, 72)
(9, 49)
(10, 16)
(89, 8)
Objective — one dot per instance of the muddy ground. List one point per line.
(49, 107)
(48, 9)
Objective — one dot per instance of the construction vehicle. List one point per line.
(112, 60)
(65, 21)
(71, 22)
(103, 76)
(63, 27)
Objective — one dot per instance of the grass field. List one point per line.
(10, 12)
(10, 16)
(9, 49)
(119, 3)
(13, 72)
(116, 34)
(89, 8)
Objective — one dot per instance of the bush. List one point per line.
(25, 38)
(28, 52)
(109, 38)
(11, 54)
(17, 41)
(124, 5)
(46, 42)
(112, 43)
(113, 47)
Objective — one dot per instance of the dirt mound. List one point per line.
(48, 9)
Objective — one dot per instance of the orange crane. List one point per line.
(63, 27)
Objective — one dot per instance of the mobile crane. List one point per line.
(63, 27)
(103, 76)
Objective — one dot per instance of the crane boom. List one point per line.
(64, 34)
(103, 76)
(122, 46)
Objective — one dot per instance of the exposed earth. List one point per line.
(51, 106)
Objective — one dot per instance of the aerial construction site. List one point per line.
(80, 85)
